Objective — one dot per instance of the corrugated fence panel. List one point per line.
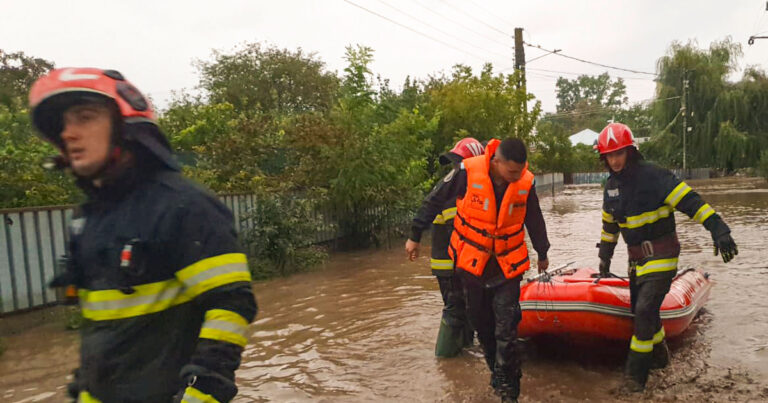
(7, 282)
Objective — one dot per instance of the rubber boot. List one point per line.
(507, 387)
(660, 355)
(450, 340)
(469, 336)
(636, 372)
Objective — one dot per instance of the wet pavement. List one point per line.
(363, 327)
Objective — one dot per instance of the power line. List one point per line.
(483, 22)
(584, 74)
(490, 12)
(415, 31)
(438, 29)
(461, 25)
(589, 62)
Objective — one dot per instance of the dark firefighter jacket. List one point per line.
(164, 289)
(639, 202)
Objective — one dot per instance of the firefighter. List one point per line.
(639, 201)
(164, 288)
(455, 332)
(496, 201)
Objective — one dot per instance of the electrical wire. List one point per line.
(439, 30)
(506, 45)
(589, 62)
(415, 31)
(483, 22)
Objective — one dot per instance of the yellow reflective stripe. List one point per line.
(225, 326)
(441, 264)
(704, 212)
(155, 297)
(641, 346)
(650, 217)
(608, 237)
(449, 213)
(658, 265)
(214, 272)
(145, 299)
(445, 216)
(677, 194)
(659, 336)
(608, 218)
(192, 395)
(85, 397)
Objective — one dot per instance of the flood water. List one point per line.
(363, 327)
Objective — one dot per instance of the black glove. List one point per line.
(605, 268)
(721, 234)
(726, 246)
(65, 273)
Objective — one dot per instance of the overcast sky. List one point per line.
(154, 43)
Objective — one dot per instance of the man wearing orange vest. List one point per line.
(496, 198)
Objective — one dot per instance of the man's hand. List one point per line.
(726, 246)
(543, 265)
(412, 249)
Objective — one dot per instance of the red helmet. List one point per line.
(465, 148)
(60, 89)
(614, 137)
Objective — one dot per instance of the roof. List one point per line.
(586, 136)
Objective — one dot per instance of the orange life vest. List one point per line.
(480, 232)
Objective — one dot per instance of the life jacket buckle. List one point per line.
(647, 248)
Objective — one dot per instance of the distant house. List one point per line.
(586, 136)
(641, 140)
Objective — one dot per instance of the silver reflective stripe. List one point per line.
(485, 205)
(477, 186)
(511, 206)
(167, 294)
(225, 326)
(191, 399)
(214, 272)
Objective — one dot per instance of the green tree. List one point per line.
(483, 106)
(23, 180)
(554, 152)
(268, 79)
(723, 117)
(588, 91)
(17, 73)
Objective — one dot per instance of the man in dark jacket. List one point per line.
(496, 202)
(455, 331)
(639, 201)
(164, 286)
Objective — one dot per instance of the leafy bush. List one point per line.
(280, 239)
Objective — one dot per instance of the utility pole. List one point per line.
(520, 65)
(683, 110)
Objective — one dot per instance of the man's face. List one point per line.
(508, 170)
(617, 160)
(86, 136)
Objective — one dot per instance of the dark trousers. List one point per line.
(495, 313)
(647, 295)
(454, 307)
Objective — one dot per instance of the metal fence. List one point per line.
(598, 177)
(32, 239)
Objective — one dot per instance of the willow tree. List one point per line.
(726, 120)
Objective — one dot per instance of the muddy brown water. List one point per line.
(363, 327)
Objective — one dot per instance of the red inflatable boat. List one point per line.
(574, 303)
